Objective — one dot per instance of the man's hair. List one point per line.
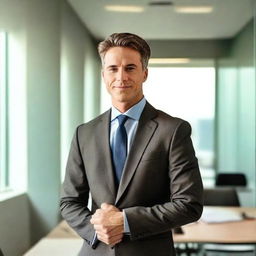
(128, 40)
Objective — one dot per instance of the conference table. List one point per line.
(227, 231)
(62, 240)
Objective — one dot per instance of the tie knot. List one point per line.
(122, 119)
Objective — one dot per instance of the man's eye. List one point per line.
(112, 69)
(130, 68)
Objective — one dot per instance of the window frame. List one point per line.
(4, 122)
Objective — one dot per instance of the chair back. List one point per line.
(231, 179)
(221, 197)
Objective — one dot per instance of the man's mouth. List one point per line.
(122, 86)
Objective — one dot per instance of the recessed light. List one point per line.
(169, 60)
(124, 8)
(193, 9)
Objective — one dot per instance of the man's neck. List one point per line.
(124, 106)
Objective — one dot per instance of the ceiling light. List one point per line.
(124, 8)
(193, 9)
(169, 61)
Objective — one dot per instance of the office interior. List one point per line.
(54, 84)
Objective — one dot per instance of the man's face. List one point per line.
(123, 75)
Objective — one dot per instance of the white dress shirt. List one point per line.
(130, 125)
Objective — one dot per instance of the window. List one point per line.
(4, 178)
(188, 93)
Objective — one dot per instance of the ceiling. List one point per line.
(162, 22)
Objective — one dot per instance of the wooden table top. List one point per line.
(243, 231)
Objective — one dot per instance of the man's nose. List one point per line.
(121, 75)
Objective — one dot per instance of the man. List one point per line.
(138, 164)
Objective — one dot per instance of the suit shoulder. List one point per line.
(166, 118)
(92, 123)
(173, 124)
(87, 129)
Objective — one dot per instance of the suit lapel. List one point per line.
(145, 131)
(102, 140)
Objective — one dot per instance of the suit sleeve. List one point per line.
(186, 191)
(75, 194)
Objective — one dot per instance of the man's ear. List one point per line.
(145, 75)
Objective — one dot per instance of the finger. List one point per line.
(106, 206)
(100, 230)
(97, 227)
(110, 240)
(97, 214)
(98, 211)
(110, 230)
(102, 239)
(117, 242)
(107, 230)
(110, 236)
(115, 231)
(94, 220)
(116, 218)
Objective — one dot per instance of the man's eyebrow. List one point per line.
(128, 65)
(131, 65)
(112, 66)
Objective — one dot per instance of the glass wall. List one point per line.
(188, 93)
(236, 110)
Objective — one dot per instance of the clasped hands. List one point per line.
(108, 223)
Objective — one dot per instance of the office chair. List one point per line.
(212, 197)
(231, 179)
(221, 197)
(224, 197)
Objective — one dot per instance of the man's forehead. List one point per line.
(121, 56)
(121, 61)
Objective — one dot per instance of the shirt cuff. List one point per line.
(126, 225)
(94, 241)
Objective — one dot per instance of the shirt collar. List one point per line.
(134, 112)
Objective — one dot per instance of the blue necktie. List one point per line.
(119, 150)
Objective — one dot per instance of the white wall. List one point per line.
(78, 76)
(14, 212)
(43, 116)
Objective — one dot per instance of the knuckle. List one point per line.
(107, 236)
(108, 241)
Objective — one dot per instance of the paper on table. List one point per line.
(220, 215)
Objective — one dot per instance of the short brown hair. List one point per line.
(126, 40)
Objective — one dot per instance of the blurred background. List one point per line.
(202, 69)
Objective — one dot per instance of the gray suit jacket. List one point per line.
(160, 188)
